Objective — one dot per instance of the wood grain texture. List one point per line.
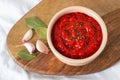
(49, 64)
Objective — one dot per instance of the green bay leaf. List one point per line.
(34, 22)
(25, 55)
(41, 32)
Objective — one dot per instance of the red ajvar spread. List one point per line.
(76, 35)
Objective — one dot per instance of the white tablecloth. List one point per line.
(10, 12)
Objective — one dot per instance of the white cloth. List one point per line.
(10, 12)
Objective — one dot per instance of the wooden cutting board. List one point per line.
(49, 64)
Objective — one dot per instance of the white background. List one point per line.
(10, 12)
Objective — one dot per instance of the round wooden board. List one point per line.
(49, 64)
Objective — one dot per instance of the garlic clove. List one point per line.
(28, 35)
(41, 47)
(30, 47)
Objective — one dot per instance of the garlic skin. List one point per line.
(30, 47)
(28, 35)
(41, 47)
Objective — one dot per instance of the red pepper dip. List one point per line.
(76, 35)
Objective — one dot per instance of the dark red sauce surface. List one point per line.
(76, 35)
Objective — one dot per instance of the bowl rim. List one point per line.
(86, 11)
